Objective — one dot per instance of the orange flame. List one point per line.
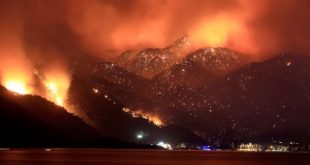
(17, 87)
(216, 32)
(57, 83)
(152, 118)
(53, 93)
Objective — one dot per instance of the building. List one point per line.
(250, 147)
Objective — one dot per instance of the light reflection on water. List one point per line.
(148, 157)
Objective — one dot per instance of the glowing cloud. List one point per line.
(215, 32)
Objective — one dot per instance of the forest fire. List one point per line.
(209, 68)
(56, 81)
(216, 32)
(54, 93)
(154, 119)
(17, 87)
(54, 89)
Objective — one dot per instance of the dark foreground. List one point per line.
(148, 157)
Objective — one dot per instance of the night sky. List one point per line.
(221, 69)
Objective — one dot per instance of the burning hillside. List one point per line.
(102, 56)
(52, 86)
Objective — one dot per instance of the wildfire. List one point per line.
(53, 93)
(55, 83)
(215, 32)
(17, 87)
(154, 119)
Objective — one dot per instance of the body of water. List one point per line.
(147, 157)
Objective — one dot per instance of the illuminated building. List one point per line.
(250, 147)
(164, 145)
(140, 136)
(277, 148)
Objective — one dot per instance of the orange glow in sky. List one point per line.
(215, 32)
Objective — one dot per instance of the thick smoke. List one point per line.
(259, 28)
(35, 49)
(58, 30)
(135, 24)
(42, 38)
(14, 62)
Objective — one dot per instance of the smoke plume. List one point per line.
(42, 38)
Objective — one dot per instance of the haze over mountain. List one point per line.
(33, 121)
(220, 70)
(215, 93)
(150, 62)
